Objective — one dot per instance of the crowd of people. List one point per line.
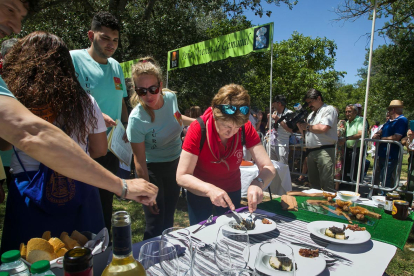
(57, 109)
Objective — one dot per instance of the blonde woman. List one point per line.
(154, 129)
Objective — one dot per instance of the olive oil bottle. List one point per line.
(123, 262)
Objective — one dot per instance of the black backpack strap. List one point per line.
(243, 136)
(203, 132)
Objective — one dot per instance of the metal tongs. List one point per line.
(237, 216)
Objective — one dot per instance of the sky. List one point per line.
(315, 18)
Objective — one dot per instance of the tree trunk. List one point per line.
(148, 9)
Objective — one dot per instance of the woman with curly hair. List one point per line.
(39, 72)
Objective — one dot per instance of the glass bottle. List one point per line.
(13, 264)
(78, 262)
(123, 262)
(41, 268)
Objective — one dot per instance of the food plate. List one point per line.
(306, 266)
(260, 227)
(318, 229)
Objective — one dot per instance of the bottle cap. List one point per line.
(77, 260)
(40, 267)
(10, 256)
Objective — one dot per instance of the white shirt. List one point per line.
(31, 164)
(325, 115)
(282, 134)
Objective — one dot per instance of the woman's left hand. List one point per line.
(254, 197)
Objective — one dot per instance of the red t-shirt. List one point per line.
(217, 173)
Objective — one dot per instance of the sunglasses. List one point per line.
(142, 91)
(231, 109)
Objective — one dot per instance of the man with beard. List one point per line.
(102, 77)
(321, 136)
(47, 143)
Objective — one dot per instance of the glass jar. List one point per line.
(389, 201)
(13, 264)
(400, 209)
(78, 262)
(41, 268)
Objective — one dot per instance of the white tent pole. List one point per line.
(361, 150)
(270, 101)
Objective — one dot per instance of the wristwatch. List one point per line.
(260, 180)
(308, 127)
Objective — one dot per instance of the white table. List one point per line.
(281, 184)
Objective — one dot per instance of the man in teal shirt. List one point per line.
(102, 77)
(353, 129)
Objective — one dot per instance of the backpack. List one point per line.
(204, 135)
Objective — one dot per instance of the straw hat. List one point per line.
(396, 103)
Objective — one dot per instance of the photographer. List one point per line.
(280, 148)
(321, 136)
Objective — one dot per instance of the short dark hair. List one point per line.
(281, 99)
(313, 94)
(104, 19)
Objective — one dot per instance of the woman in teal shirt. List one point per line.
(154, 130)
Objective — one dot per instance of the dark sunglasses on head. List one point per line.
(231, 109)
(142, 91)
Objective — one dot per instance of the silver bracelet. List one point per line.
(124, 189)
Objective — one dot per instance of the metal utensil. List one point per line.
(323, 251)
(209, 220)
(238, 216)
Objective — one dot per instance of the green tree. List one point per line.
(299, 63)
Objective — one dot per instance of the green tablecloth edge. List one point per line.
(378, 231)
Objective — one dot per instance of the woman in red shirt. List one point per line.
(212, 175)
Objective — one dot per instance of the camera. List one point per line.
(292, 119)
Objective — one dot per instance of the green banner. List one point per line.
(127, 67)
(232, 45)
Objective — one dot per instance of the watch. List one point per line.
(308, 128)
(124, 189)
(260, 180)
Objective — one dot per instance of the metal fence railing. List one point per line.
(297, 155)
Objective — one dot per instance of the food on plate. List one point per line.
(360, 210)
(360, 217)
(81, 239)
(289, 203)
(69, 242)
(46, 235)
(23, 250)
(309, 253)
(342, 203)
(336, 233)
(281, 262)
(330, 199)
(249, 225)
(266, 221)
(328, 195)
(345, 208)
(39, 249)
(49, 248)
(355, 227)
(246, 163)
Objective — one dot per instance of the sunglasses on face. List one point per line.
(232, 109)
(142, 91)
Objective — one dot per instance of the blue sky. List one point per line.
(314, 18)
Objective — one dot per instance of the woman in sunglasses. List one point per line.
(154, 130)
(212, 175)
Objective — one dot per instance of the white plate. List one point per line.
(259, 229)
(306, 266)
(318, 229)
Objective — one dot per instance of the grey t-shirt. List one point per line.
(325, 115)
